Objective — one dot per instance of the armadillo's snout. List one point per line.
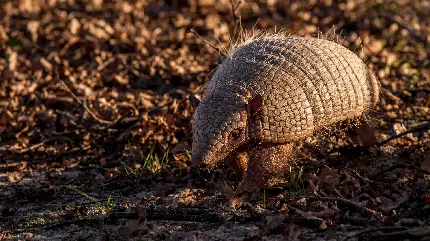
(208, 152)
(201, 150)
(201, 157)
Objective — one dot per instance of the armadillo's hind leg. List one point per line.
(267, 164)
(363, 134)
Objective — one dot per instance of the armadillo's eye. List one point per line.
(235, 134)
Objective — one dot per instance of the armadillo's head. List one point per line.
(220, 124)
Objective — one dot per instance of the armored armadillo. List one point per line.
(274, 90)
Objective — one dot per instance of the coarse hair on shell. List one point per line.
(294, 86)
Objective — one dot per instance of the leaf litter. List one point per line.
(95, 130)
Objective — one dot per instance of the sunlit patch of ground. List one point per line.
(95, 124)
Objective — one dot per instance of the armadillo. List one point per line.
(272, 91)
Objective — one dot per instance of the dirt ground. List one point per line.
(95, 124)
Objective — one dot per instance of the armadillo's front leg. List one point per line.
(239, 162)
(267, 164)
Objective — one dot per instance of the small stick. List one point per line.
(404, 25)
(402, 119)
(420, 128)
(118, 120)
(304, 214)
(400, 166)
(413, 233)
(345, 201)
(207, 42)
(427, 90)
(368, 230)
(364, 179)
(10, 167)
(235, 17)
(309, 220)
(84, 105)
(355, 205)
(33, 147)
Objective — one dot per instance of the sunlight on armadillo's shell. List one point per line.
(305, 83)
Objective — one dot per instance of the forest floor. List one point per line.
(95, 124)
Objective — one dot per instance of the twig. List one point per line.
(10, 167)
(118, 120)
(368, 230)
(388, 170)
(354, 205)
(418, 90)
(404, 25)
(207, 42)
(23, 150)
(84, 105)
(423, 127)
(234, 8)
(413, 233)
(362, 178)
(347, 202)
(190, 214)
(399, 166)
(235, 17)
(36, 146)
(33, 147)
(402, 119)
(415, 213)
(311, 218)
(125, 133)
(173, 214)
(388, 94)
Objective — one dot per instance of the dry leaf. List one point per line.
(425, 164)
(74, 26)
(375, 46)
(100, 29)
(3, 36)
(29, 6)
(46, 64)
(12, 59)
(33, 27)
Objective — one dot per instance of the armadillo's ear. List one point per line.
(194, 100)
(255, 104)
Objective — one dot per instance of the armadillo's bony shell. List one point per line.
(305, 83)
